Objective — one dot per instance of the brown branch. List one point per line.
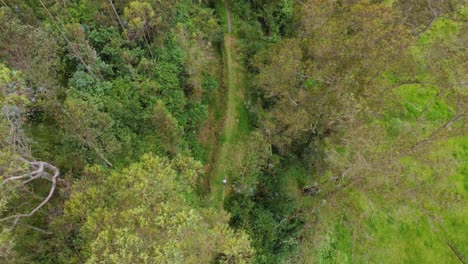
(342, 175)
(3, 2)
(118, 18)
(456, 252)
(436, 15)
(38, 229)
(438, 131)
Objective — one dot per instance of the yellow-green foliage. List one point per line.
(148, 213)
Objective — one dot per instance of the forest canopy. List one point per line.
(217, 131)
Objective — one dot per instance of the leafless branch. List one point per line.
(436, 15)
(456, 252)
(38, 229)
(39, 172)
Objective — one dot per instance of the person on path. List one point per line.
(224, 181)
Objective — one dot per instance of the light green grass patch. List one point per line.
(420, 100)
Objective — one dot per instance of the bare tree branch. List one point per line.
(447, 125)
(456, 252)
(40, 172)
(38, 229)
(118, 18)
(436, 15)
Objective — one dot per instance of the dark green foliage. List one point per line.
(270, 217)
(134, 81)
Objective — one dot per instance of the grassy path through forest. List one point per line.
(235, 121)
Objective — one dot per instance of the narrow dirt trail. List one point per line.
(226, 161)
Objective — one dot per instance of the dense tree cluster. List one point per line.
(100, 83)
